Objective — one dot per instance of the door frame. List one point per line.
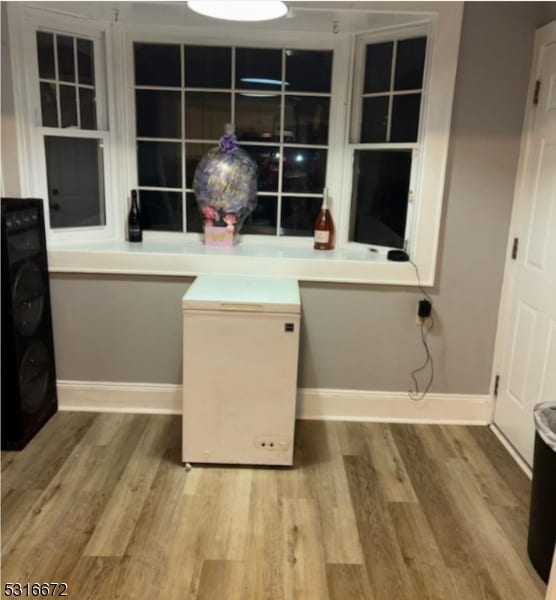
(543, 35)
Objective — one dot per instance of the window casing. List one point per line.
(120, 141)
(386, 134)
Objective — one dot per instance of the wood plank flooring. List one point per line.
(370, 512)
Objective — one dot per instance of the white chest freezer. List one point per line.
(240, 353)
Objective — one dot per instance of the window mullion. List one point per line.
(281, 146)
(76, 74)
(183, 145)
(390, 96)
(56, 75)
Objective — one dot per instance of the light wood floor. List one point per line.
(370, 511)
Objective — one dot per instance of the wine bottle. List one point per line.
(324, 226)
(135, 232)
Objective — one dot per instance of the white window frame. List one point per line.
(414, 195)
(337, 115)
(179, 253)
(31, 133)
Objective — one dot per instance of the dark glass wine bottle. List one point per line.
(135, 231)
(324, 226)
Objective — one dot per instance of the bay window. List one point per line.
(126, 106)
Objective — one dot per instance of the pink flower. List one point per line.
(210, 214)
(230, 221)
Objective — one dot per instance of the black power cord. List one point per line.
(425, 330)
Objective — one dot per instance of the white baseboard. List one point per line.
(323, 404)
(101, 396)
(356, 405)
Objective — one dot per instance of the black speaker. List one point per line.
(28, 369)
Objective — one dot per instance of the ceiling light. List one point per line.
(233, 10)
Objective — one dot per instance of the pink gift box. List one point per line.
(218, 236)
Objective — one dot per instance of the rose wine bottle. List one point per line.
(135, 232)
(324, 226)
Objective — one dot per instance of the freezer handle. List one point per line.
(241, 306)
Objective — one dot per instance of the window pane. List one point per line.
(298, 215)
(159, 164)
(85, 62)
(194, 222)
(158, 113)
(87, 108)
(378, 67)
(308, 70)
(258, 69)
(48, 105)
(306, 120)
(206, 115)
(66, 64)
(405, 118)
(45, 52)
(375, 119)
(157, 64)
(304, 170)
(267, 159)
(262, 220)
(68, 106)
(193, 154)
(75, 181)
(208, 67)
(379, 200)
(257, 118)
(161, 211)
(410, 63)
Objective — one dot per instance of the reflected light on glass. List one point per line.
(299, 158)
(232, 10)
(263, 81)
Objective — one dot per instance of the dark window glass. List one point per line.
(194, 221)
(159, 164)
(66, 63)
(375, 119)
(405, 118)
(48, 105)
(304, 170)
(74, 169)
(262, 220)
(380, 190)
(206, 114)
(298, 215)
(87, 108)
(257, 118)
(268, 165)
(308, 70)
(193, 154)
(45, 53)
(161, 211)
(157, 64)
(378, 67)
(410, 64)
(258, 69)
(85, 62)
(158, 113)
(68, 105)
(208, 67)
(306, 120)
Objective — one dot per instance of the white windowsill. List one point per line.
(192, 258)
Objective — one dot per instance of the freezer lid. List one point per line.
(241, 293)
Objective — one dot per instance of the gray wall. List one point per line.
(10, 179)
(358, 337)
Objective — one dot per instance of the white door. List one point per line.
(526, 345)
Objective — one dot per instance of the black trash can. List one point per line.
(542, 517)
